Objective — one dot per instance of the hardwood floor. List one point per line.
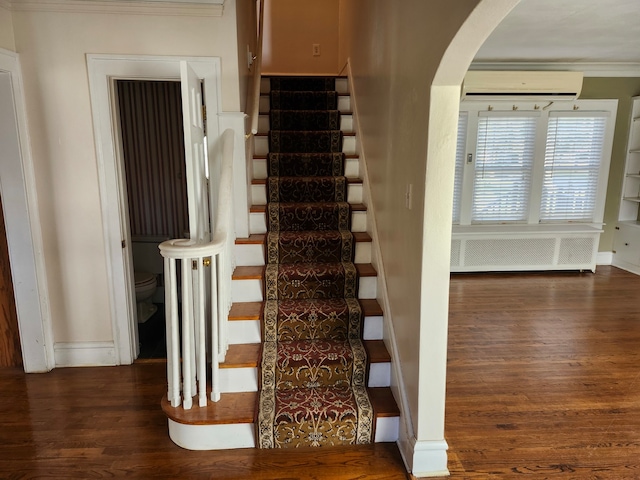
(543, 376)
(107, 423)
(543, 382)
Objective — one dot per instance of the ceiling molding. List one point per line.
(588, 69)
(201, 8)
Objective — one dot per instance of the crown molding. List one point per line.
(599, 69)
(201, 8)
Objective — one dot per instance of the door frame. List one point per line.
(103, 71)
(22, 221)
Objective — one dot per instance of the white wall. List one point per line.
(6, 27)
(53, 47)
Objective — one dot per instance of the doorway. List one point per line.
(10, 351)
(104, 71)
(152, 149)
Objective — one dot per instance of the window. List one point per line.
(460, 154)
(571, 166)
(504, 159)
(531, 163)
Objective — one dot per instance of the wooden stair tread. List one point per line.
(248, 354)
(355, 207)
(260, 238)
(253, 239)
(350, 181)
(346, 155)
(232, 408)
(246, 311)
(376, 351)
(254, 310)
(371, 308)
(242, 356)
(384, 405)
(366, 270)
(235, 408)
(254, 272)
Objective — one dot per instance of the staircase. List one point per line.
(308, 257)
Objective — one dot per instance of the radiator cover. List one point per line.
(524, 247)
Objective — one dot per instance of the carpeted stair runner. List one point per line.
(314, 367)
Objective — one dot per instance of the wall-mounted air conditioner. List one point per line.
(496, 85)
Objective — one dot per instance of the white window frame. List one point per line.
(541, 108)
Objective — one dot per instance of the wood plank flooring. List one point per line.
(544, 376)
(543, 383)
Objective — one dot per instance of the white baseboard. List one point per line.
(425, 458)
(84, 354)
(604, 258)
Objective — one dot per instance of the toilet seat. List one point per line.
(143, 279)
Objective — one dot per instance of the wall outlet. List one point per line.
(316, 49)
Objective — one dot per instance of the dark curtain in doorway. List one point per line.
(153, 149)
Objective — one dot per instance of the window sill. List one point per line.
(521, 229)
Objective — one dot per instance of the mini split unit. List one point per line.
(497, 85)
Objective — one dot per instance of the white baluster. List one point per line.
(215, 376)
(173, 335)
(202, 349)
(187, 300)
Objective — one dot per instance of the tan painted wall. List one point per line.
(395, 49)
(246, 25)
(622, 89)
(291, 28)
(53, 48)
(6, 29)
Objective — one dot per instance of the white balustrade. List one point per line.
(204, 285)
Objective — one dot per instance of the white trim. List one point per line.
(588, 69)
(397, 380)
(629, 267)
(196, 8)
(212, 437)
(17, 180)
(604, 258)
(241, 194)
(102, 69)
(428, 458)
(85, 354)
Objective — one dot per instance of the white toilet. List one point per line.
(145, 288)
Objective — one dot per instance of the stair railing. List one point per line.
(254, 112)
(201, 332)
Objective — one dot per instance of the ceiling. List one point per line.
(567, 31)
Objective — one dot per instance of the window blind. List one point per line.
(572, 165)
(504, 160)
(460, 154)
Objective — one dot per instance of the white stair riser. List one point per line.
(248, 255)
(242, 435)
(248, 331)
(259, 194)
(250, 290)
(213, 437)
(351, 168)
(387, 429)
(261, 145)
(344, 103)
(245, 379)
(346, 123)
(342, 85)
(258, 222)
